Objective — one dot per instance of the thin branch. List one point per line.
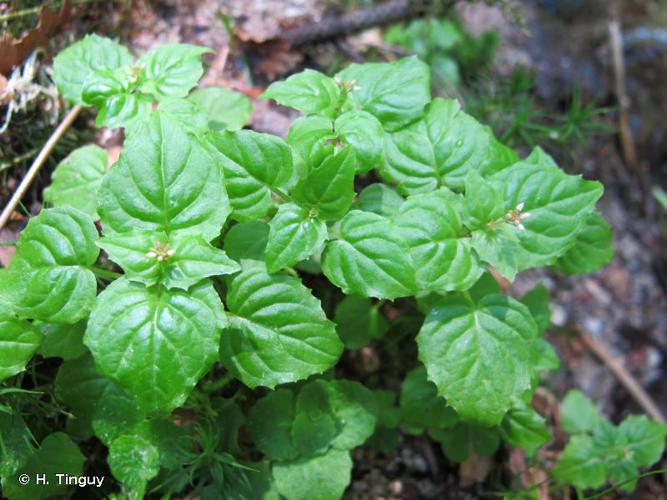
(627, 139)
(358, 20)
(626, 379)
(18, 159)
(37, 164)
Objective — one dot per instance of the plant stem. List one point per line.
(218, 385)
(20, 13)
(37, 164)
(282, 195)
(104, 273)
(17, 159)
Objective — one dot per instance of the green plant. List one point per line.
(453, 54)
(209, 327)
(599, 451)
(513, 111)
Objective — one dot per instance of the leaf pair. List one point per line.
(156, 331)
(257, 165)
(49, 274)
(353, 108)
(599, 451)
(440, 149)
(102, 73)
(308, 434)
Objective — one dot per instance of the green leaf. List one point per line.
(421, 406)
(478, 354)
(314, 426)
(178, 260)
(359, 321)
(486, 285)
(425, 36)
(246, 242)
(483, 204)
(224, 108)
(294, 236)
(545, 358)
(278, 333)
(578, 413)
(270, 425)
(134, 461)
(253, 163)
(318, 478)
(312, 138)
(395, 93)
(439, 247)
(537, 301)
(500, 248)
(165, 180)
(77, 178)
(111, 93)
(380, 199)
(354, 409)
(155, 343)
(580, 465)
(611, 453)
(189, 114)
(386, 438)
(592, 247)
(369, 258)
(523, 427)
(660, 196)
(7, 293)
(440, 150)
(73, 66)
(328, 189)
(174, 440)
(62, 341)
(172, 70)
(557, 204)
(645, 439)
(17, 443)
(460, 441)
(51, 261)
(260, 482)
(19, 340)
(94, 399)
(324, 414)
(310, 92)
(56, 455)
(364, 134)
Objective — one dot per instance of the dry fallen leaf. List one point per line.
(474, 469)
(7, 235)
(14, 52)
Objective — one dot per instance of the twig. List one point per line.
(37, 164)
(17, 159)
(627, 139)
(361, 19)
(427, 447)
(624, 376)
